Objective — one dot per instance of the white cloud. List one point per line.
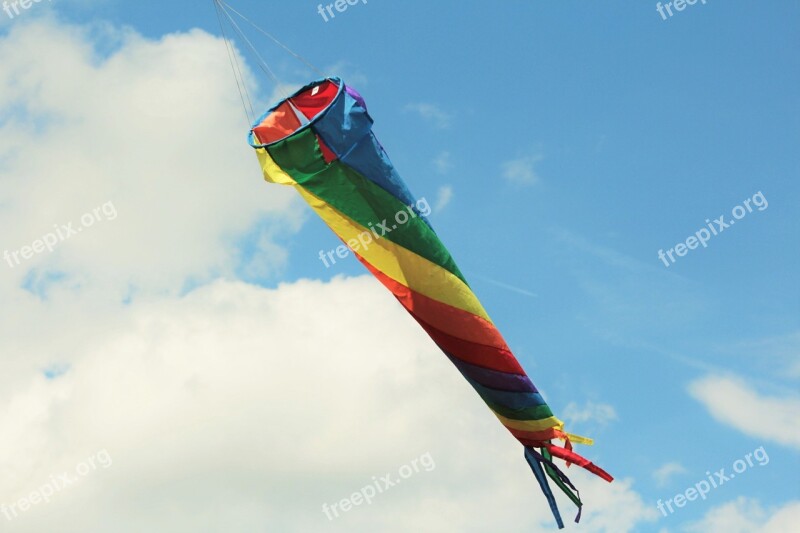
(246, 406)
(665, 473)
(522, 170)
(732, 402)
(443, 162)
(598, 413)
(431, 113)
(746, 515)
(349, 73)
(443, 197)
(156, 128)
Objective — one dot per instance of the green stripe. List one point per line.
(536, 412)
(554, 476)
(358, 198)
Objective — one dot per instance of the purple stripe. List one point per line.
(492, 378)
(356, 96)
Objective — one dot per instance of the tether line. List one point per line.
(275, 40)
(222, 8)
(244, 95)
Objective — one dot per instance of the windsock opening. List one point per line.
(295, 113)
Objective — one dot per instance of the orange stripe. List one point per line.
(527, 437)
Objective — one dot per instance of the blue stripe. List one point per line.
(346, 128)
(492, 378)
(544, 485)
(512, 400)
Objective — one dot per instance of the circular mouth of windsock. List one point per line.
(295, 113)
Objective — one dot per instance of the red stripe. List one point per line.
(312, 101)
(470, 352)
(572, 457)
(327, 153)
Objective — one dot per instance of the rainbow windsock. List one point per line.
(320, 141)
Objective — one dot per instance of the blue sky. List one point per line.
(563, 145)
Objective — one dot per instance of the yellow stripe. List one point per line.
(400, 264)
(531, 425)
(396, 262)
(577, 439)
(272, 172)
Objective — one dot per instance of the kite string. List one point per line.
(222, 8)
(237, 72)
(261, 62)
(275, 40)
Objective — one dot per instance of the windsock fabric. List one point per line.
(320, 141)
